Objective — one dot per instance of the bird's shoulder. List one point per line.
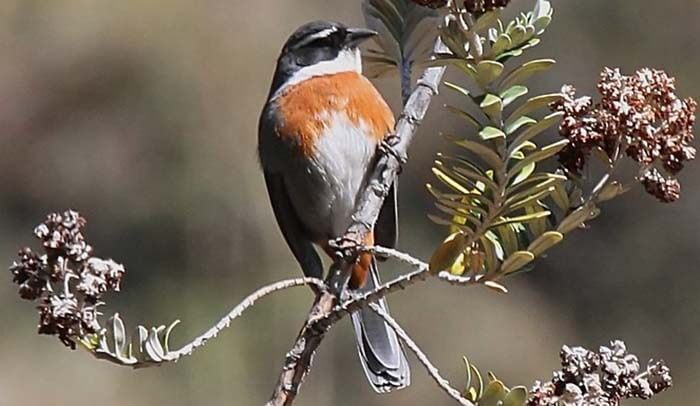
(306, 109)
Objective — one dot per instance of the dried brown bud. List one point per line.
(431, 3)
(602, 378)
(482, 6)
(667, 190)
(65, 279)
(639, 114)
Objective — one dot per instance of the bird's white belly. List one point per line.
(324, 191)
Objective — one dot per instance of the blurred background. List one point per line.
(143, 115)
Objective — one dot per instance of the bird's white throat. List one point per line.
(348, 60)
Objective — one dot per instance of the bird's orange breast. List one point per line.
(305, 108)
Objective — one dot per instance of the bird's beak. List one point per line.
(356, 36)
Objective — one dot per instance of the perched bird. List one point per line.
(319, 134)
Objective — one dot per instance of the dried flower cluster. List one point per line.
(481, 6)
(66, 280)
(431, 3)
(602, 378)
(638, 115)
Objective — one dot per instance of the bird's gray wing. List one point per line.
(386, 230)
(292, 228)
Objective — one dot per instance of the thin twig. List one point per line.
(248, 302)
(443, 383)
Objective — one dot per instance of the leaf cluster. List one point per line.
(502, 206)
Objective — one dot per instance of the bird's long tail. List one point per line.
(381, 355)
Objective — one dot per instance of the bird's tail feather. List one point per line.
(381, 355)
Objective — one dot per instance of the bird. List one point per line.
(319, 134)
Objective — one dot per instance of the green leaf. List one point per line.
(462, 215)
(561, 197)
(537, 156)
(518, 35)
(538, 227)
(485, 153)
(516, 261)
(486, 20)
(491, 256)
(508, 238)
(463, 114)
(454, 226)
(611, 191)
(456, 88)
(510, 54)
(502, 44)
(492, 106)
(525, 173)
(533, 104)
(521, 219)
(529, 200)
(577, 218)
(488, 71)
(542, 23)
(519, 123)
(516, 397)
(535, 130)
(447, 253)
(470, 171)
(545, 241)
(512, 94)
(449, 181)
(522, 73)
(493, 394)
(464, 206)
(490, 133)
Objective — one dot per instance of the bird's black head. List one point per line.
(319, 48)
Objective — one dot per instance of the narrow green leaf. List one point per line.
(545, 242)
(611, 191)
(463, 114)
(525, 71)
(535, 130)
(460, 217)
(516, 397)
(450, 223)
(533, 104)
(502, 44)
(539, 226)
(522, 188)
(488, 71)
(529, 200)
(446, 254)
(561, 197)
(525, 173)
(537, 156)
(515, 262)
(490, 133)
(521, 219)
(491, 259)
(508, 238)
(492, 106)
(449, 181)
(464, 205)
(485, 153)
(577, 218)
(518, 35)
(512, 94)
(486, 20)
(521, 122)
(477, 177)
(510, 54)
(456, 88)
